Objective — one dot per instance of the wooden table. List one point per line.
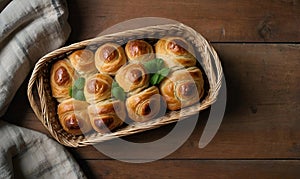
(258, 44)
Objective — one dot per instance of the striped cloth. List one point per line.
(28, 30)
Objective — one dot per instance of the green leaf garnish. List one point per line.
(154, 65)
(164, 72)
(71, 91)
(76, 91)
(117, 91)
(114, 84)
(79, 95)
(154, 79)
(79, 83)
(159, 76)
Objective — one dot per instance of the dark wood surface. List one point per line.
(258, 44)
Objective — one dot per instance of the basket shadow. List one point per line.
(16, 111)
(236, 92)
(75, 22)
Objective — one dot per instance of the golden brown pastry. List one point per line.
(107, 115)
(83, 61)
(145, 105)
(133, 76)
(139, 50)
(175, 51)
(182, 88)
(97, 88)
(73, 116)
(62, 76)
(109, 58)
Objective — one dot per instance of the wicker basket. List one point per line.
(44, 105)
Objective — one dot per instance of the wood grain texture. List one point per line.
(194, 169)
(218, 21)
(262, 115)
(259, 135)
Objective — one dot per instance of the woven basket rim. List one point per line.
(43, 112)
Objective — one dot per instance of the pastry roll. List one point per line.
(107, 115)
(109, 58)
(145, 105)
(97, 88)
(62, 76)
(175, 51)
(73, 116)
(133, 76)
(182, 88)
(83, 61)
(139, 50)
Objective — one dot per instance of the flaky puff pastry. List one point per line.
(175, 51)
(139, 50)
(73, 116)
(83, 61)
(182, 88)
(62, 76)
(97, 88)
(132, 76)
(145, 105)
(107, 115)
(109, 58)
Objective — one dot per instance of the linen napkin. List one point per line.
(29, 30)
(28, 154)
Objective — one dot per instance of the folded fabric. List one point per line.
(28, 154)
(29, 30)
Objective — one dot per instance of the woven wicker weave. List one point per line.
(44, 105)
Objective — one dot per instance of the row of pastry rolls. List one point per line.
(77, 117)
(96, 110)
(142, 104)
(184, 86)
(181, 88)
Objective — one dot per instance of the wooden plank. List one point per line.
(219, 21)
(262, 135)
(262, 115)
(193, 169)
